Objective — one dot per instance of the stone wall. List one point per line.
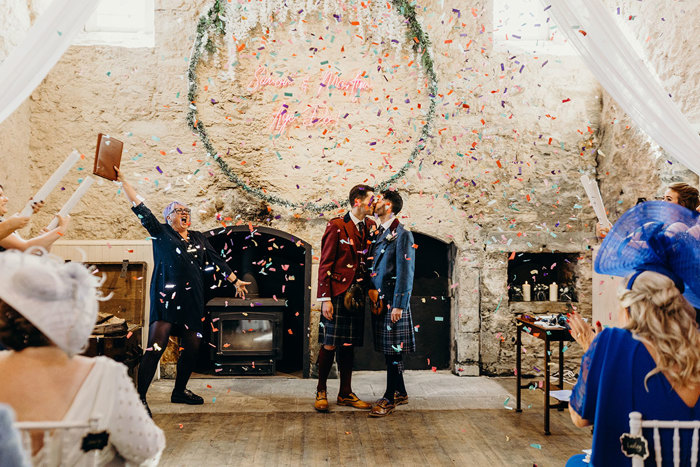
(512, 134)
(661, 32)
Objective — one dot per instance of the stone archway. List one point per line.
(281, 264)
(431, 306)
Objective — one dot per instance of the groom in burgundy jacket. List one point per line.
(342, 285)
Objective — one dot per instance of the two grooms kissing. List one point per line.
(362, 257)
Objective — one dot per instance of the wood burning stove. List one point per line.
(249, 334)
(268, 331)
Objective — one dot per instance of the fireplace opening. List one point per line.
(539, 277)
(430, 308)
(265, 333)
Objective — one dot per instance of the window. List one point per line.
(121, 23)
(524, 25)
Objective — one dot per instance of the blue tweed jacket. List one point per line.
(393, 262)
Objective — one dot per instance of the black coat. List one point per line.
(180, 272)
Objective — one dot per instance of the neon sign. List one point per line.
(313, 115)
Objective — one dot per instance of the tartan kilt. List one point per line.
(346, 327)
(390, 336)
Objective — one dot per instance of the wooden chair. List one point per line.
(636, 425)
(55, 434)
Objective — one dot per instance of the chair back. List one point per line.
(56, 436)
(637, 424)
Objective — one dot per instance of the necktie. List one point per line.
(361, 229)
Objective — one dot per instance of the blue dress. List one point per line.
(11, 451)
(181, 271)
(611, 385)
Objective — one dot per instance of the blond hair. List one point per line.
(661, 317)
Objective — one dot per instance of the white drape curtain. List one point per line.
(46, 41)
(624, 75)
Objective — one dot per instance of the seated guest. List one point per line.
(10, 240)
(48, 309)
(652, 364)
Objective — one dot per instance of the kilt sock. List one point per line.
(345, 356)
(325, 362)
(400, 386)
(392, 375)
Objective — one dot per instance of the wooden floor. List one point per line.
(408, 437)
(413, 435)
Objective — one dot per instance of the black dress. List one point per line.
(181, 269)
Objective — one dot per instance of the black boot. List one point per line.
(186, 397)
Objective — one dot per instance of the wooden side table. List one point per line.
(548, 335)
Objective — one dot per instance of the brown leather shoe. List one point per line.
(400, 399)
(352, 400)
(321, 403)
(382, 408)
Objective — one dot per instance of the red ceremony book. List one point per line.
(107, 156)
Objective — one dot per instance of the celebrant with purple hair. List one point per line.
(182, 258)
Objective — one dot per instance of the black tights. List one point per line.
(159, 333)
(394, 376)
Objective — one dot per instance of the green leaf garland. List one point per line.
(211, 25)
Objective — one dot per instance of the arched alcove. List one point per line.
(431, 308)
(280, 263)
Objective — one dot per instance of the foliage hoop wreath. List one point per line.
(211, 23)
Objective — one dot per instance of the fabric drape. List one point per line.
(612, 59)
(46, 41)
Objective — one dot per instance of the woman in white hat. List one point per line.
(48, 309)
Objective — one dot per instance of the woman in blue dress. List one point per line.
(651, 364)
(182, 259)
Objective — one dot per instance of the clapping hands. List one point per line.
(582, 332)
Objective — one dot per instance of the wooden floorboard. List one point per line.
(407, 437)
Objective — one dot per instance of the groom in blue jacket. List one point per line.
(392, 260)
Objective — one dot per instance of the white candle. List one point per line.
(553, 292)
(72, 201)
(526, 292)
(51, 183)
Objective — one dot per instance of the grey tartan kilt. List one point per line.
(391, 338)
(346, 327)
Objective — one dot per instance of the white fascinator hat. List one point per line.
(58, 298)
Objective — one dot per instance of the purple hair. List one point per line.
(170, 208)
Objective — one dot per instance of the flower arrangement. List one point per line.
(567, 293)
(516, 293)
(541, 292)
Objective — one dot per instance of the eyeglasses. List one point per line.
(182, 211)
